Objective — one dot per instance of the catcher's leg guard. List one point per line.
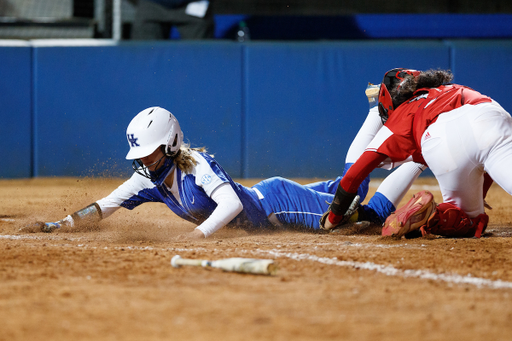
(451, 221)
(411, 216)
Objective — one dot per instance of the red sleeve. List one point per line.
(470, 96)
(366, 163)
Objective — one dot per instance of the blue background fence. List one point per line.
(263, 108)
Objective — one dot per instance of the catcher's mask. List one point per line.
(393, 78)
(164, 166)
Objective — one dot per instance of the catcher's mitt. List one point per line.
(351, 210)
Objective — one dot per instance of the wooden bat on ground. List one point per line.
(244, 265)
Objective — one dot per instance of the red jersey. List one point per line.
(401, 135)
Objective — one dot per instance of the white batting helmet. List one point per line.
(150, 129)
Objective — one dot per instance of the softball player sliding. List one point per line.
(463, 136)
(196, 188)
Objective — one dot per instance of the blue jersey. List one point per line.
(190, 197)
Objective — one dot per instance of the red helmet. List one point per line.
(391, 79)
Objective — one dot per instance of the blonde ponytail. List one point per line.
(185, 161)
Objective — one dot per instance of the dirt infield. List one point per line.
(115, 282)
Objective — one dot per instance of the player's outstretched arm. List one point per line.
(88, 215)
(125, 195)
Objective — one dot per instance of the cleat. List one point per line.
(411, 217)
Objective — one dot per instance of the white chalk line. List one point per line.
(387, 270)
(392, 271)
(37, 237)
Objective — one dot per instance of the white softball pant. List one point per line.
(463, 144)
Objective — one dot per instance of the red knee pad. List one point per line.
(451, 221)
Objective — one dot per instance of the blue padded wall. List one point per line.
(485, 66)
(305, 101)
(15, 110)
(263, 108)
(86, 96)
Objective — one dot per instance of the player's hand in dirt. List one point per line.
(40, 226)
(31, 228)
(194, 235)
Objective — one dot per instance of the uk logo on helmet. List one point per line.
(132, 140)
